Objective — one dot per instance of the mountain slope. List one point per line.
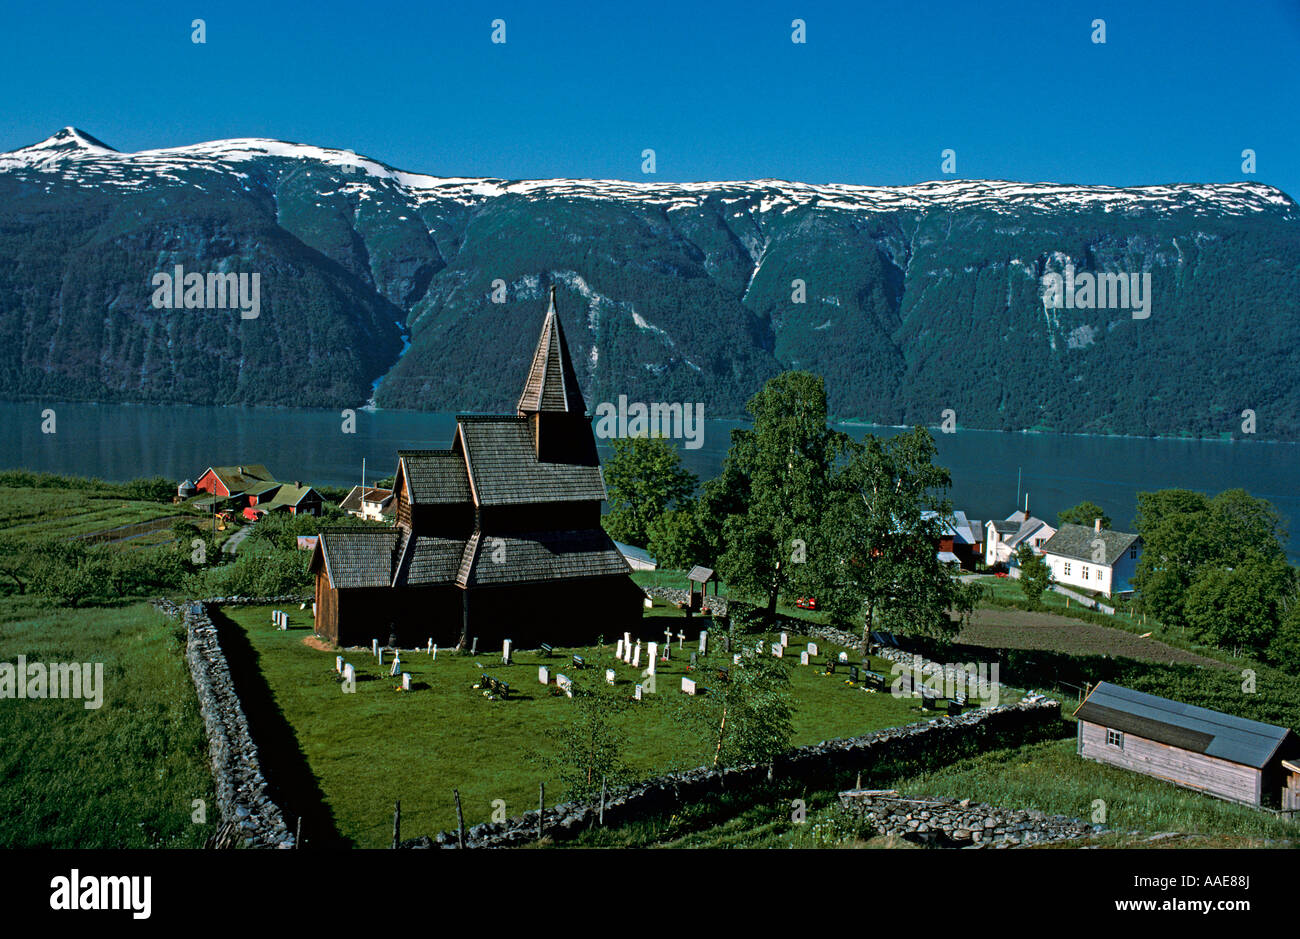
(915, 299)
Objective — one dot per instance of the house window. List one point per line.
(1066, 570)
(1133, 553)
(1101, 574)
(1085, 572)
(1114, 738)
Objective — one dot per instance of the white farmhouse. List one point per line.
(1093, 558)
(1003, 538)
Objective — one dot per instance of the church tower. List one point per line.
(552, 400)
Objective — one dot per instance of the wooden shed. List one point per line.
(1225, 756)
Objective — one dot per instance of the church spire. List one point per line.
(552, 385)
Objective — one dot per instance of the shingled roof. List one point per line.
(539, 556)
(242, 478)
(552, 384)
(435, 476)
(429, 560)
(1198, 729)
(357, 558)
(1076, 541)
(504, 469)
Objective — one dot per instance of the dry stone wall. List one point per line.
(950, 823)
(246, 809)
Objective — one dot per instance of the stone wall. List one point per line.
(246, 810)
(717, 605)
(818, 764)
(949, 823)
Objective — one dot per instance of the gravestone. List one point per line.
(618, 650)
(637, 695)
(844, 656)
(681, 637)
(565, 684)
(653, 655)
(694, 656)
(853, 673)
(397, 664)
(609, 676)
(627, 640)
(406, 681)
(785, 639)
(544, 675)
(338, 664)
(636, 655)
(381, 656)
(778, 650)
(429, 647)
(473, 649)
(374, 646)
(668, 636)
(435, 652)
(505, 652)
(275, 617)
(704, 641)
(735, 659)
(812, 648)
(349, 673)
(803, 658)
(688, 685)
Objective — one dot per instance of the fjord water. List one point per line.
(114, 441)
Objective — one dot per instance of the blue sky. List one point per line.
(719, 91)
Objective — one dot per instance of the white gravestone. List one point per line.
(618, 650)
(653, 651)
(338, 664)
(374, 646)
(349, 673)
(429, 648)
(785, 639)
(803, 658)
(812, 648)
(649, 604)
(688, 686)
(544, 675)
(681, 637)
(609, 676)
(636, 655)
(778, 650)
(638, 693)
(381, 656)
(627, 640)
(735, 659)
(704, 641)
(435, 652)
(844, 656)
(397, 664)
(565, 684)
(406, 681)
(505, 652)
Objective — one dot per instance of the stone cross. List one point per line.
(681, 637)
(668, 636)
(544, 675)
(609, 676)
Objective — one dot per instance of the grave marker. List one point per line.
(381, 656)
(637, 695)
(429, 647)
(374, 646)
(565, 684)
(609, 676)
(681, 637)
(785, 639)
(406, 681)
(653, 651)
(704, 641)
(349, 674)
(735, 659)
(844, 656)
(812, 648)
(803, 658)
(505, 652)
(338, 664)
(473, 649)
(544, 675)
(618, 650)
(636, 655)
(688, 686)
(778, 650)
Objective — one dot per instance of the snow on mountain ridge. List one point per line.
(85, 161)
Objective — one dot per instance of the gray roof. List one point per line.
(1198, 729)
(552, 384)
(434, 476)
(429, 560)
(357, 558)
(700, 574)
(539, 556)
(1005, 528)
(504, 469)
(1076, 541)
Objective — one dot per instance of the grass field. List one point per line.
(64, 513)
(363, 751)
(120, 776)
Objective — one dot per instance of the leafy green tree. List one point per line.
(781, 472)
(1085, 513)
(644, 478)
(1035, 575)
(1240, 607)
(1284, 648)
(677, 540)
(881, 534)
(746, 718)
(591, 745)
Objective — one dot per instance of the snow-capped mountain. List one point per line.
(910, 300)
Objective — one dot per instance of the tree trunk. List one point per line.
(867, 623)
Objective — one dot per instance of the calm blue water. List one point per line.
(122, 441)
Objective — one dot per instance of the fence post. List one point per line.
(460, 821)
(541, 808)
(397, 824)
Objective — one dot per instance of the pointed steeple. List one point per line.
(552, 385)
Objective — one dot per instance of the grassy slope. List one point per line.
(62, 513)
(368, 749)
(122, 776)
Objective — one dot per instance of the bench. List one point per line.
(579, 662)
(494, 685)
(547, 649)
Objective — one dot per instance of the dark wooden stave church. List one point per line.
(497, 537)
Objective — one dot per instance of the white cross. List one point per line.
(681, 636)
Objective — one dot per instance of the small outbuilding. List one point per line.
(1225, 756)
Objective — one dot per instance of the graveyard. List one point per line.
(469, 722)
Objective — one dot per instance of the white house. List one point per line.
(370, 503)
(1093, 558)
(1003, 538)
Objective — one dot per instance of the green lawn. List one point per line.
(120, 776)
(65, 513)
(367, 749)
